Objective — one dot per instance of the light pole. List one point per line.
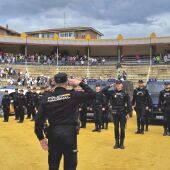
(25, 36)
(88, 37)
(119, 37)
(57, 38)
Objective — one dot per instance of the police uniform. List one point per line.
(29, 102)
(164, 104)
(121, 106)
(21, 103)
(40, 96)
(98, 104)
(83, 114)
(141, 100)
(34, 104)
(105, 115)
(6, 106)
(14, 97)
(60, 107)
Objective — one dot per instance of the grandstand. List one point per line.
(134, 72)
(134, 55)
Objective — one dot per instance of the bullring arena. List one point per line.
(19, 147)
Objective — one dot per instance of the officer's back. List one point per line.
(60, 107)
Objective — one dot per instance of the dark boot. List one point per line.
(138, 131)
(20, 121)
(122, 144)
(146, 128)
(116, 146)
(142, 132)
(165, 133)
(99, 128)
(102, 126)
(95, 129)
(106, 127)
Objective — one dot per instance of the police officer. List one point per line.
(29, 101)
(21, 103)
(164, 105)
(142, 104)
(105, 115)
(6, 105)
(99, 104)
(121, 107)
(14, 97)
(34, 103)
(40, 95)
(83, 114)
(59, 107)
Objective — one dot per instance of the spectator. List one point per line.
(124, 75)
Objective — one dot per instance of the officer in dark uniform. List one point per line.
(40, 95)
(14, 97)
(99, 104)
(83, 114)
(29, 101)
(105, 115)
(34, 103)
(59, 107)
(21, 103)
(121, 107)
(142, 102)
(164, 105)
(6, 105)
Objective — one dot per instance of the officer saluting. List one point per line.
(60, 107)
(121, 107)
(164, 105)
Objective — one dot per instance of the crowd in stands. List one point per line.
(63, 59)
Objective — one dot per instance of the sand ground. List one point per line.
(20, 149)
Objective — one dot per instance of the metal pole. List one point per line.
(57, 57)
(150, 53)
(26, 50)
(88, 56)
(150, 63)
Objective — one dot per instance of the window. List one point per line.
(66, 35)
(83, 35)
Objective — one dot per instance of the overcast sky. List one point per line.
(132, 18)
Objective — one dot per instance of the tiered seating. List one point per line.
(134, 72)
(144, 60)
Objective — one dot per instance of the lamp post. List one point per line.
(57, 38)
(88, 38)
(119, 38)
(152, 36)
(25, 36)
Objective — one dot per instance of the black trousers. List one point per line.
(146, 118)
(62, 141)
(166, 113)
(16, 112)
(6, 113)
(141, 112)
(21, 113)
(105, 117)
(31, 111)
(119, 120)
(98, 117)
(83, 118)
